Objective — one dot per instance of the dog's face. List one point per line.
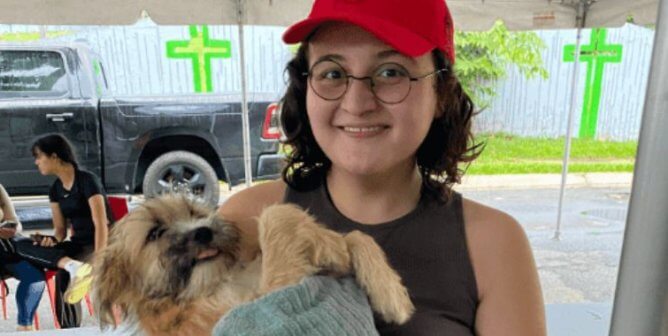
(167, 250)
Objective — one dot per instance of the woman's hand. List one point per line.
(43, 240)
(6, 233)
(48, 241)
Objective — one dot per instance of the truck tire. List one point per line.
(182, 172)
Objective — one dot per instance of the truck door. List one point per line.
(37, 97)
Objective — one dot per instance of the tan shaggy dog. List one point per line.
(172, 266)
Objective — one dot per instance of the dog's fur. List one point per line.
(172, 266)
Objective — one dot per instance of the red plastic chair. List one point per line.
(119, 206)
(4, 291)
(49, 276)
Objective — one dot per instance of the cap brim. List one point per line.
(399, 38)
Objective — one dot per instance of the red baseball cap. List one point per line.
(412, 27)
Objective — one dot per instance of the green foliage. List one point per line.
(484, 57)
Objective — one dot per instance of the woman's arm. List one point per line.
(511, 300)
(99, 213)
(9, 213)
(59, 227)
(243, 208)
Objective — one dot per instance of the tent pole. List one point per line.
(581, 10)
(245, 124)
(641, 299)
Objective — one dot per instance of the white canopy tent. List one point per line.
(176, 12)
(641, 303)
(550, 14)
(469, 14)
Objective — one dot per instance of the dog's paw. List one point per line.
(394, 304)
(387, 295)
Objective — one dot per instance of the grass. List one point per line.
(505, 154)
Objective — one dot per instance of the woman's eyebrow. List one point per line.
(390, 53)
(393, 53)
(328, 57)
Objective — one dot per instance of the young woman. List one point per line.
(78, 201)
(31, 279)
(379, 127)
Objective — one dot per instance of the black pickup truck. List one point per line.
(134, 144)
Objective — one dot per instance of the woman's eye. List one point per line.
(332, 74)
(391, 72)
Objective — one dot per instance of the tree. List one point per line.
(485, 57)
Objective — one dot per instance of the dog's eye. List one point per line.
(197, 214)
(155, 233)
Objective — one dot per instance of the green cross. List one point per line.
(596, 55)
(200, 49)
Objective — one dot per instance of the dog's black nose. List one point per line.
(203, 235)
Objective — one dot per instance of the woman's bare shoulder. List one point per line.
(505, 273)
(490, 232)
(250, 202)
(482, 217)
(494, 239)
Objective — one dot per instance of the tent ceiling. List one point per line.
(518, 15)
(612, 13)
(549, 14)
(127, 12)
(469, 14)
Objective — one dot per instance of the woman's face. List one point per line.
(357, 132)
(45, 163)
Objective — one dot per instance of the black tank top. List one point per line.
(428, 249)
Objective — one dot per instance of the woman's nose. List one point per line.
(359, 97)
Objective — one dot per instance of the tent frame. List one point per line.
(641, 299)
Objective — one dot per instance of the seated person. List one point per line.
(31, 279)
(77, 199)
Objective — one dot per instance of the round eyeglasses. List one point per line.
(390, 82)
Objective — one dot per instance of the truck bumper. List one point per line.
(269, 166)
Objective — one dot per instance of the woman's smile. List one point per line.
(364, 131)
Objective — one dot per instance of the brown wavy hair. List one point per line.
(448, 147)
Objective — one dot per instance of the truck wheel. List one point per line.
(182, 172)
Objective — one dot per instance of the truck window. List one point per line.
(32, 73)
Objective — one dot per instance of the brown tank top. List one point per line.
(428, 249)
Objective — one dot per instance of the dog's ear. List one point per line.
(112, 285)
